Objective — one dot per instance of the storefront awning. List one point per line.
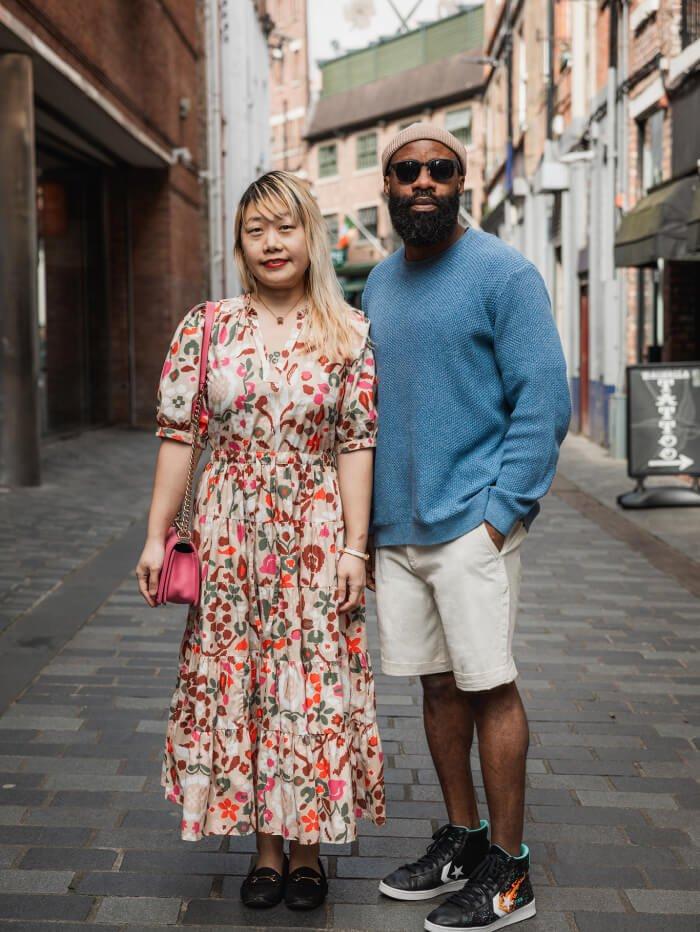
(495, 218)
(693, 243)
(657, 226)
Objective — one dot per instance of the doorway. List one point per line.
(72, 299)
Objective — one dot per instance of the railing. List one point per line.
(690, 22)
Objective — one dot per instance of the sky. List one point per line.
(355, 23)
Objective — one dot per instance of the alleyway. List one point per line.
(606, 649)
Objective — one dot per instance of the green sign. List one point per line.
(338, 257)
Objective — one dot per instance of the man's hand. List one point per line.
(496, 536)
(370, 581)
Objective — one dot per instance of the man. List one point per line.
(473, 403)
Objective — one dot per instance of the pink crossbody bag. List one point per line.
(181, 574)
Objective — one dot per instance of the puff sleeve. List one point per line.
(356, 427)
(179, 380)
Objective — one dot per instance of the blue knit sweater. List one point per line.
(473, 399)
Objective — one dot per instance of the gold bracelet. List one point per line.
(355, 553)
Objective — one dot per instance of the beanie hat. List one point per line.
(425, 131)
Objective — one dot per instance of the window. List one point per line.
(459, 123)
(467, 198)
(690, 22)
(368, 218)
(333, 227)
(404, 123)
(327, 160)
(366, 148)
(651, 134)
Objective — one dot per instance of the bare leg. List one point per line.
(449, 727)
(501, 725)
(303, 856)
(270, 850)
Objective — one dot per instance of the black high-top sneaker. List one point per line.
(449, 860)
(497, 894)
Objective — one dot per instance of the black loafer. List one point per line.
(264, 886)
(306, 888)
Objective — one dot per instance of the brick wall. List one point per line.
(145, 57)
(142, 54)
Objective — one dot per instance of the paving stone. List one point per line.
(667, 878)
(615, 855)
(185, 862)
(41, 906)
(586, 815)
(614, 922)
(72, 816)
(126, 883)
(627, 800)
(656, 837)
(127, 910)
(577, 874)
(35, 881)
(665, 902)
(74, 859)
(80, 781)
(38, 835)
(569, 899)
(231, 912)
(12, 926)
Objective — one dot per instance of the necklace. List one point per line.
(280, 318)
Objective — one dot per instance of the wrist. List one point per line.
(156, 537)
(356, 541)
(357, 554)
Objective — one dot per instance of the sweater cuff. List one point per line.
(500, 512)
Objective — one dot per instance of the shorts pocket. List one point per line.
(493, 549)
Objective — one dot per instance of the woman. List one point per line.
(272, 724)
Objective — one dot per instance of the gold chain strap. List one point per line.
(183, 519)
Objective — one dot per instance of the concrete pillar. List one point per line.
(19, 396)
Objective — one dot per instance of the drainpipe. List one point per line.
(550, 68)
(508, 54)
(214, 174)
(618, 402)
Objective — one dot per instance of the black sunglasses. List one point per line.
(440, 170)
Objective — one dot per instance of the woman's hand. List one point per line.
(351, 581)
(148, 569)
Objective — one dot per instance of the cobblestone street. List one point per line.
(607, 652)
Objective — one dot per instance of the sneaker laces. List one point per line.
(437, 849)
(478, 886)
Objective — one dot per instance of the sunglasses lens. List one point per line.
(407, 171)
(441, 169)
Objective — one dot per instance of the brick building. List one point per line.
(102, 141)
(592, 148)
(432, 73)
(289, 84)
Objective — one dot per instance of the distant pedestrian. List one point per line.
(272, 723)
(473, 404)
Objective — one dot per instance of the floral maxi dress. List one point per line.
(272, 724)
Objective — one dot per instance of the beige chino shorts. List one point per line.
(450, 607)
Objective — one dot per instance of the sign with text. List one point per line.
(663, 419)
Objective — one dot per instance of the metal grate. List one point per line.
(690, 22)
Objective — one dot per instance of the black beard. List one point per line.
(424, 228)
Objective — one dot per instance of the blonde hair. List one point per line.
(329, 329)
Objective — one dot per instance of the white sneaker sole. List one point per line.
(421, 894)
(525, 912)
